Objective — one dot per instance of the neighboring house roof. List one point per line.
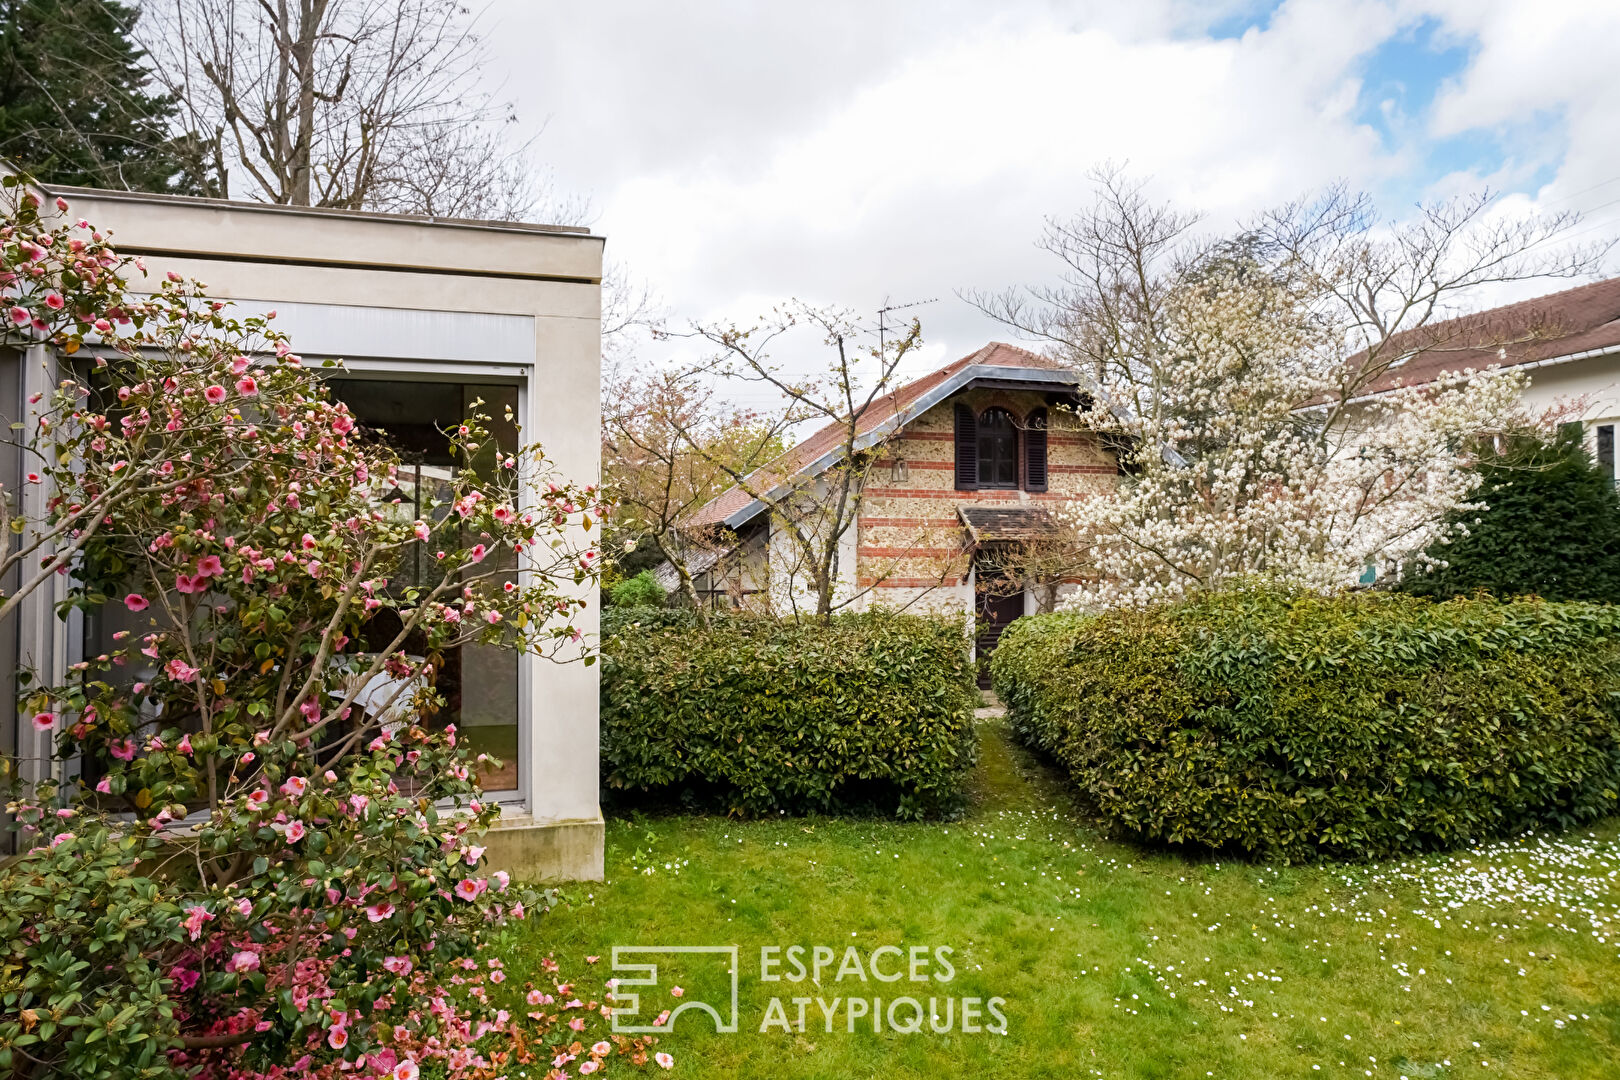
(701, 563)
(989, 524)
(997, 362)
(1556, 328)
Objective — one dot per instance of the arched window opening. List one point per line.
(998, 449)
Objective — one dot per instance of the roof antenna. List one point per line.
(888, 307)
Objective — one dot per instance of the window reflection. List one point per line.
(479, 683)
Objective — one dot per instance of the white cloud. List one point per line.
(740, 153)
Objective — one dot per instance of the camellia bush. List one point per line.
(1292, 725)
(764, 715)
(267, 862)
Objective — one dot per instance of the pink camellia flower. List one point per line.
(421, 530)
(189, 585)
(602, 1049)
(295, 831)
(44, 721)
(338, 1037)
(184, 978)
(104, 785)
(399, 965)
(136, 602)
(492, 617)
(215, 394)
(308, 542)
(676, 991)
(20, 316)
(195, 917)
(209, 566)
(122, 749)
(469, 888)
(180, 671)
(588, 1067)
(244, 907)
(358, 804)
(184, 746)
(294, 787)
(474, 853)
(257, 799)
(535, 997)
(62, 204)
(34, 478)
(54, 301)
(664, 1061)
(343, 424)
(239, 365)
(477, 553)
(577, 1023)
(405, 1070)
(247, 386)
(380, 912)
(243, 962)
(60, 839)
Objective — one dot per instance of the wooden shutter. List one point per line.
(1035, 451)
(967, 449)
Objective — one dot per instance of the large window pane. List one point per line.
(479, 683)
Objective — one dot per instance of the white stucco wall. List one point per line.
(1589, 386)
(476, 301)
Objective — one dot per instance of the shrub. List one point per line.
(1551, 527)
(1295, 725)
(775, 715)
(253, 869)
(642, 590)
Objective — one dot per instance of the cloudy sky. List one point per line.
(860, 151)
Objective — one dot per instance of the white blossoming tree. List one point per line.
(1235, 378)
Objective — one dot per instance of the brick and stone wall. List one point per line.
(912, 547)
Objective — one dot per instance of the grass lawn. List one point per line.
(1503, 961)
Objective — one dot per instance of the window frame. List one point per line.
(1013, 443)
(396, 370)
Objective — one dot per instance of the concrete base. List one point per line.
(544, 851)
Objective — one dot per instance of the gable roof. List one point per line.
(900, 406)
(1556, 328)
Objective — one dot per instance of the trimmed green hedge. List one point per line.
(765, 716)
(1294, 726)
(642, 590)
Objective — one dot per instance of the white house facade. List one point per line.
(426, 315)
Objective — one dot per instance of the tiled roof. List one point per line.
(987, 524)
(885, 409)
(1579, 320)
